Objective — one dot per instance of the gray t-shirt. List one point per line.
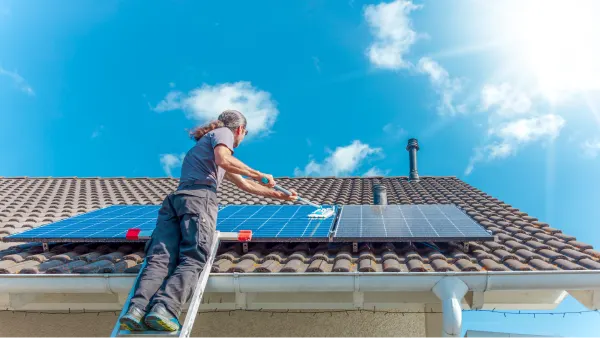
(199, 162)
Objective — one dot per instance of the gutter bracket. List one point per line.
(451, 291)
(477, 300)
(358, 297)
(240, 297)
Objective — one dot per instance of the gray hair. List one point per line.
(228, 118)
(232, 119)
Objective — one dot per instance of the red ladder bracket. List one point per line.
(245, 235)
(132, 234)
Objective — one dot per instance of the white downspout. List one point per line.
(451, 291)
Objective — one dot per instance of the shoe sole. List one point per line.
(131, 324)
(159, 324)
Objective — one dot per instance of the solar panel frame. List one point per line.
(294, 224)
(407, 223)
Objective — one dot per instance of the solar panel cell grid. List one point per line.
(406, 223)
(275, 222)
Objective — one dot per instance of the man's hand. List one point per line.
(283, 196)
(271, 183)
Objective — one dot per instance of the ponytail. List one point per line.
(201, 131)
(229, 118)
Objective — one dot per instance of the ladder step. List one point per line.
(126, 333)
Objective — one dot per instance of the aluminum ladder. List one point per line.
(186, 328)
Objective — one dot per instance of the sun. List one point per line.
(559, 42)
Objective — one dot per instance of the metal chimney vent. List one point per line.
(413, 147)
(379, 194)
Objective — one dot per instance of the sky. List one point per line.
(503, 95)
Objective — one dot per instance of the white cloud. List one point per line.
(511, 136)
(591, 148)
(18, 80)
(342, 161)
(172, 101)
(172, 84)
(391, 25)
(374, 171)
(207, 102)
(171, 161)
(443, 84)
(505, 100)
(531, 129)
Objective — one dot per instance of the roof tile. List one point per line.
(568, 265)
(589, 263)
(391, 265)
(491, 265)
(576, 255)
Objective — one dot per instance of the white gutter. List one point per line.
(316, 282)
(450, 287)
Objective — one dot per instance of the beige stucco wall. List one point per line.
(239, 323)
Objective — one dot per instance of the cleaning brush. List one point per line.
(319, 213)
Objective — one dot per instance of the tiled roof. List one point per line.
(522, 242)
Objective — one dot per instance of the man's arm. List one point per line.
(232, 165)
(257, 189)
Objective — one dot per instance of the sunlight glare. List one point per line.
(560, 43)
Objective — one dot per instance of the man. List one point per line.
(180, 244)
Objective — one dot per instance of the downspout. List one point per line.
(451, 291)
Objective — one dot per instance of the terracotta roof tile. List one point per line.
(522, 241)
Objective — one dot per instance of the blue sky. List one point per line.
(498, 94)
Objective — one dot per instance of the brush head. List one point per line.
(322, 213)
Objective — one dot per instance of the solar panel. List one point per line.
(430, 222)
(107, 224)
(275, 223)
(110, 224)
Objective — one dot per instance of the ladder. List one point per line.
(186, 328)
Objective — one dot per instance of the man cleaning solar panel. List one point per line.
(181, 241)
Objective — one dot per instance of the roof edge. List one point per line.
(174, 178)
(586, 280)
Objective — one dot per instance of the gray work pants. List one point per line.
(178, 249)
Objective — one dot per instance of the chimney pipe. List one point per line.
(379, 194)
(413, 147)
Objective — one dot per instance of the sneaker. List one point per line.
(133, 320)
(161, 319)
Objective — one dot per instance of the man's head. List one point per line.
(236, 122)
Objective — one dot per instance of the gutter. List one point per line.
(449, 287)
(316, 282)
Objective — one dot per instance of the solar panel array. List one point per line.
(437, 222)
(278, 223)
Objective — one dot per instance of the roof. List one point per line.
(522, 243)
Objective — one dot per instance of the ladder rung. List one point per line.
(125, 333)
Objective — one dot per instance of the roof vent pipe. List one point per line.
(379, 194)
(413, 147)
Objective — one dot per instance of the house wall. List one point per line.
(238, 323)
